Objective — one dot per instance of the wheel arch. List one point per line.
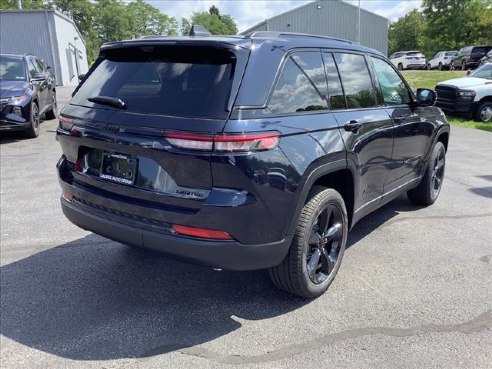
(335, 175)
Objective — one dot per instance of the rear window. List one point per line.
(416, 53)
(451, 53)
(174, 81)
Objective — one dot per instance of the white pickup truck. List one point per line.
(469, 96)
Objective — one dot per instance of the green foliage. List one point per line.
(213, 21)
(443, 25)
(407, 33)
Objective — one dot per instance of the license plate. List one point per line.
(118, 168)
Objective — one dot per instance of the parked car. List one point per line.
(247, 152)
(470, 96)
(469, 57)
(408, 60)
(441, 60)
(486, 59)
(27, 91)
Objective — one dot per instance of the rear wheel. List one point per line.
(428, 190)
(33, 130)
(400, 66)
(429, 67)
(463, 65)
(484, 112)
(440, 66)
(51, 114)
(317, 248)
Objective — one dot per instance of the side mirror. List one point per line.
(39, 77)
(81, 77)
(426, 97)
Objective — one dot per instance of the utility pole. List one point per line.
(19, 4)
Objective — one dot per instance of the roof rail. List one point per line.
(273, 34)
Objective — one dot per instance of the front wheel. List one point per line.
(317, 248)
(33, 129)
(400, 66)
(51, 114)
(429, 67)
(484, 112)
(428, 190)
(440, 66)
(463, 65)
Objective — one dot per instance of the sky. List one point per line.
(247, 13)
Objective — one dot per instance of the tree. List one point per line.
(148, 20)
(213, 21)
(407, 33)
(452, 24)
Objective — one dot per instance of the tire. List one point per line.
(33, 130)
(427, 192)
(400, 66)
(439, 66)
(484, 112)
(52, 113)
(429, 67)
(463, 65)
(314, 257)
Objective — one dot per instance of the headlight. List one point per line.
(18, 100)
(466, 95)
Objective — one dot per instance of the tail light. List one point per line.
(201, 232)
(445, 58)
(65, 123)
(224, 142)
(67, 196)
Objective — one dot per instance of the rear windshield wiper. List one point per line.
(108, 100)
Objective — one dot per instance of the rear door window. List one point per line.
(335, 90)
(301, 86)
(356, 81)
(174, 81)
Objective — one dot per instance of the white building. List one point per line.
(48, 34)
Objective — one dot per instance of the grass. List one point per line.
(429, 79)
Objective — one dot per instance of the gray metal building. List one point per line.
(48, 34)
(334, 18)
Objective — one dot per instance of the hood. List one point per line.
(12, 88)
(464, 82)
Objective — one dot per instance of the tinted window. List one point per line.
(481, 50)
(32, 67)
(335, 91)
(12, 70)
(301, 85)
(165, 81)
(451, 53)
(356, 80)
(394, 90)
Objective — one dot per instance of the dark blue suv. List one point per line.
(246, 152)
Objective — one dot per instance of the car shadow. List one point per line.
(11, 137)
(93, 299)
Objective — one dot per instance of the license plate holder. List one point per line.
(118, 168)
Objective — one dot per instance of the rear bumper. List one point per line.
(218, 254)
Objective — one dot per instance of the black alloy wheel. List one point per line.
(427, 192)
(33, 129)
(324, 244)
(317, 248)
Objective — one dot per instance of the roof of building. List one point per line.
(304, 6)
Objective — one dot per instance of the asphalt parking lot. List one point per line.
(414, 289)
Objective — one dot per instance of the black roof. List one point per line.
(279, 39)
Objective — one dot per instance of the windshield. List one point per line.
(12, 70)
(485, 71)
(188, 82)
